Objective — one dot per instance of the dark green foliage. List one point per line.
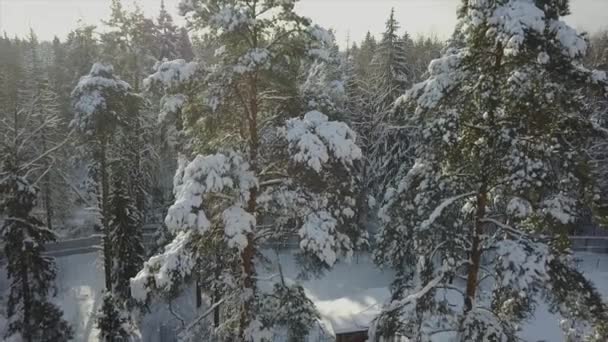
(126, 237)
(31, 274)
(111, 320)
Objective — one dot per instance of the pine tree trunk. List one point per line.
(248, 254)
(197, 294)
(217, 296)
(105, 193)
(27, 330)
(48, 202)
(482, 201)
(473, 272)
(46, 188)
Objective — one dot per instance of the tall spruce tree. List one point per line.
(167, 36)
(100, 102)
(392, 66)
(125, 236)
(477, 229)
(275, 172)
(391, 72)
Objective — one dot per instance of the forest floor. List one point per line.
(347, 298)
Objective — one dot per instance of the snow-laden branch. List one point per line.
(503, 226)
(439, 210)
(395, 305)
(315, 140)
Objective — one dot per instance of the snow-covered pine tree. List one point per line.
(126, 235)
(131, 46)
(31, 314)
(172, 83)
(100, 101)
(276, 173)
(392, 70)
(477, 229)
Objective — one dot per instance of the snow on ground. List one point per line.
(545, 325)
(348, 297)
(79, 284)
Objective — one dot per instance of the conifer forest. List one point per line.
(233, 171)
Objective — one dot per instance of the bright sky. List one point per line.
(355, 17)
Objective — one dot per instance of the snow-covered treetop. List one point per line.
(511, 22)
(274, 20)
(170, 74)
(315, 141)
(515, 26)
(98, 99)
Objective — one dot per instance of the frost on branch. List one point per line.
(218, 173)
(314, 141)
